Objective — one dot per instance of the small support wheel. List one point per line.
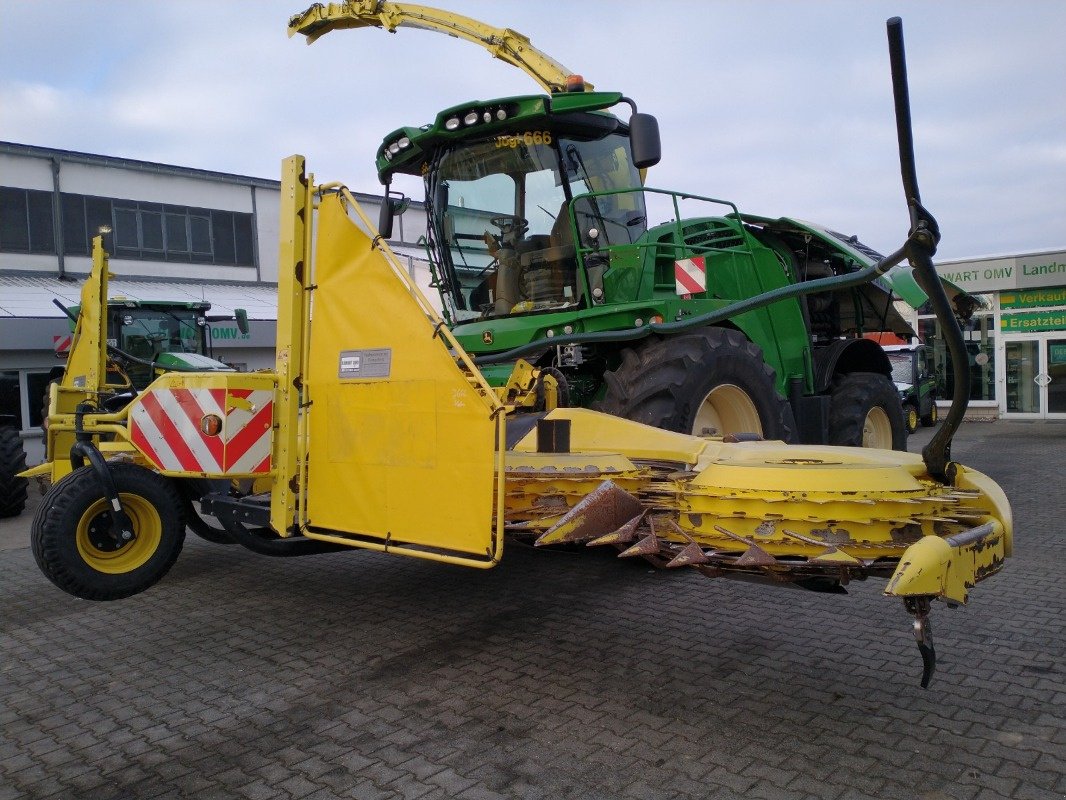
(79, 549)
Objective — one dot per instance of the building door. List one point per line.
(1036, 377)
(1055, 371)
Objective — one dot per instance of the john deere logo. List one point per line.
(486, 337)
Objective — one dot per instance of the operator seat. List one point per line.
(548, 263)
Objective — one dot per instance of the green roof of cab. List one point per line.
(427, 137)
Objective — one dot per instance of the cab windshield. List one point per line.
(147, 333)
(501, 221)
(902, 366)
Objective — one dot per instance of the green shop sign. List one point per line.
(1033, 298)
(1056, 353)
(1033, 321)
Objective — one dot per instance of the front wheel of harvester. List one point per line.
(12, 461)
(713, 381)
(865, 411)
(72, 541)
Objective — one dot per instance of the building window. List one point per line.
(10, 399)
(142, 231)
(26, 221)
(22, 395)
(158, 231)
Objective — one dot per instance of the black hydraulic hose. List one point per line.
(83, 448)
(921, 245)
(266, 543)
(560, 380)
(857, 278)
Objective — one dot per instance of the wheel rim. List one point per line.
(727, 409)
(912, 419)
(933, 412)
(103, 554)
(877, 429)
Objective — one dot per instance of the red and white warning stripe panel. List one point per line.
(690, 276)
(61, 344)
(216, 431)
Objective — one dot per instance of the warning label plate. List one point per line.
(365, 363)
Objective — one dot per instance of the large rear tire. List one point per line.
(70, 533)
(712, 381)
(13, 490)
(865, 411)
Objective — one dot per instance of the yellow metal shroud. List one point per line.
(400, 446)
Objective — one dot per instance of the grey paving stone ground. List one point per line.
(554, 676)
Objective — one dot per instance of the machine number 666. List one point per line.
(527, 138)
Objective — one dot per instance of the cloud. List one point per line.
(32, 108)
(782, 107)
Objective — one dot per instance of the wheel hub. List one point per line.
(101, 536)
(877, 429)
(727, 409)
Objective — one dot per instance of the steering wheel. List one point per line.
(511, 225)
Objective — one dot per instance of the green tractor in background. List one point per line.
(146, 338)
(915, 379)
(130, 343)
(664, 307)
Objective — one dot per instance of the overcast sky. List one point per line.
(785, 108)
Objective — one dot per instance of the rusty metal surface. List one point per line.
(605, 510)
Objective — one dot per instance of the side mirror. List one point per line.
(391, 207)
(385, 218)
(644, 140)
(242, 320)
